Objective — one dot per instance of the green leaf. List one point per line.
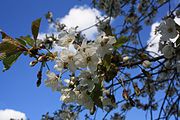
(6, 46)
(96, 94)
(35, 28)
(107, 61)
(8, 61)
(111, 73)
(21, 41)
(9, 46)
(108, 30)
(2, 56)
(28, 40)
(10, 50)
(120, 41)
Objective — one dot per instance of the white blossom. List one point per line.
(87, 57)
(105, 44)
(52, 81)
(85, 100)
(108, 102)
(69, 82)
(87, 79)
(168, 29)
(66, 38)
(60, 65)
(68, 95)
(66, 115)
(168, 51)
(67, 56)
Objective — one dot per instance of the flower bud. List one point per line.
(33, 63)
(39, 76)
(125, 59)
(140, 8)
(42, 58)
(146, 63)
(49, 16)
(42, 46)
(125, 94)
(136, 89)
(93, 109)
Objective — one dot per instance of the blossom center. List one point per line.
(70, 57)
(70, 40)
(88, 59)
(170, 30)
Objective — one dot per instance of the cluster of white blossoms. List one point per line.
(168, 31)
(81, 62)
(83, 66)
(169, 45)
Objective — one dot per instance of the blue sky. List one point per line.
(18, 85)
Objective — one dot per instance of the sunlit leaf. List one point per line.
(21, 41)
(28, 40)
(10, 50)
(2, 56)
(9, 39)
(9, 46)
(8, 61)
(6, 46)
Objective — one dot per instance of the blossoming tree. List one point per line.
(113, 71)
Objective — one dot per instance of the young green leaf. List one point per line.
(28, 40)
(8, 39)
(10, 50)
(6, 46)
(8, 61)
(120, 41)
(35, 28)
(21, 41)
(2, 56)
(96, 94)
(9, 46)
(107, 61)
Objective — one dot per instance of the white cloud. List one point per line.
(82, 17)
(7, 114)
(41, 36)
(153, 42)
